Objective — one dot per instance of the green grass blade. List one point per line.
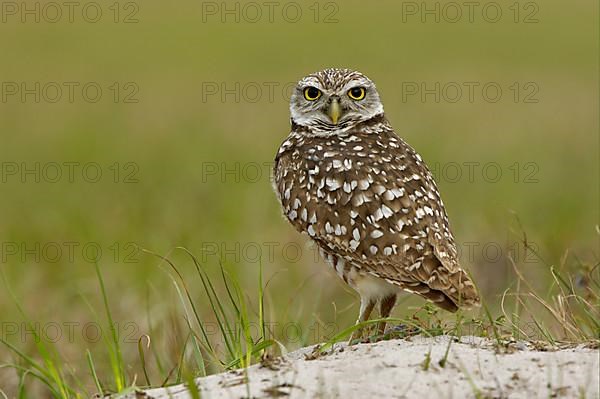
(117, 360)
(90, 362)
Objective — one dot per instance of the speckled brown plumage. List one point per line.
(367, 199)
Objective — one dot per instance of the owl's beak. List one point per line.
(335, 111)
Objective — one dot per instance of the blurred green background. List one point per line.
(184, 143)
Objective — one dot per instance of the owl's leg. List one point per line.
(366, 307)
(385, 308)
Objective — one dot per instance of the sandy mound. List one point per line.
(396, 369)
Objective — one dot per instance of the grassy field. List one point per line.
(155, 127)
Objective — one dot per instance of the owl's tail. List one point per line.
(449, 291)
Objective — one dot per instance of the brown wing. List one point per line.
(370, 199)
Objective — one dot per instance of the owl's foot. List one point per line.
(368, 339)
(399, 331)
(366, 306)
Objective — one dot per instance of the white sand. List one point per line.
(394, 369)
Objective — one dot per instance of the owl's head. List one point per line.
(334, 100)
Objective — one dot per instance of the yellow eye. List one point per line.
(312, 93)
(357, 93)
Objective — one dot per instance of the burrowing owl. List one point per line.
(365, 197)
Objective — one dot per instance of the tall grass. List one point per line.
(231, 312)
(567, 313)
